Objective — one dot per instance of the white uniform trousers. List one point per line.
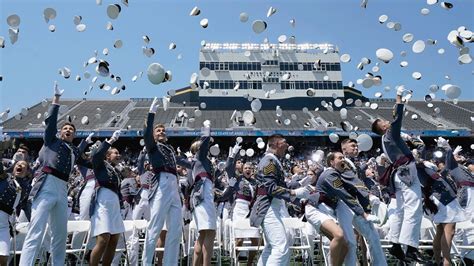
(276, 251)
(468, 235)
(4, 234)
(405, 224)
(142, 209)
(344, 217)
(347, 219)
(50, 203)
(84, 207)
(165, 204)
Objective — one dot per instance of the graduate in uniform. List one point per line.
(266, 211)
(165, 204)
(352, 179)
(49, 193)
(106, 219)
(88, 185)
(202, 197)
(347, 208)
(324, 222)
(402, 179)
(464, 179)
(10, 192)
(21, 173)
(142, 208)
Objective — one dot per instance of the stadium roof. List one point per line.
(105, 116)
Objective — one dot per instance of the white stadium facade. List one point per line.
(300, 93)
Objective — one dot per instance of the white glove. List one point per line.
(206, 131)
(457, 150)
(232, 181)
(57, 91)
(405, 136)
(89, 138)
(302, 192)
(178, 150)
(154, 105)
(372, 218)
(206, 123)
(115, 136)
(188, 154)
(235, 150)
(442, 142)
(374, 200)
(313, 198)
(400, 90)
(371, 161)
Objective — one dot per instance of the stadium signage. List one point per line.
(236, 133)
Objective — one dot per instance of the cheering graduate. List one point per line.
(106, 220)
(10, 192)
(164, 200)
(202, 197)
(353, 184)
(401, 178)
(347, 208)
(266, 211)
(49, 193)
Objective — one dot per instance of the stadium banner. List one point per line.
(238, 132)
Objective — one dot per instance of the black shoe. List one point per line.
(397, 252)
(415, 256)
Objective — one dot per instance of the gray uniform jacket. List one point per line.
(129, 189)
(393, 144)
(105, 175)
(396, 150)
(56, 154)
(201, 167)
(352, 179)
(9, 192)
(461, 175)
(271, 184)
(331, 189)
(440, 186)
(161, 155)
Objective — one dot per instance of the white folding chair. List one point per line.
(138, 242)
(17, 242)
(301, 240)
(192, 236)
(244, 230)
(122, 244)
(80, 231)
(427, 233)
(226, 240)
(463, 248)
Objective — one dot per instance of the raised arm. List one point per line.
(52, 120)
(204, 147)
(141, 162)
(98, 155)
(148, 131)
(334, 185)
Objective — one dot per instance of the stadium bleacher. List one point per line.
(130, 114)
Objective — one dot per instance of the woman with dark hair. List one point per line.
(107, 223)
(9, 196)
(202, 197)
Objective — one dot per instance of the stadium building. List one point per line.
(299, 87)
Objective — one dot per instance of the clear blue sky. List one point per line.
(30, 66)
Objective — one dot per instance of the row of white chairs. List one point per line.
(227, 241)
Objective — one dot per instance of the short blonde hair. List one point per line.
(195, 146)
